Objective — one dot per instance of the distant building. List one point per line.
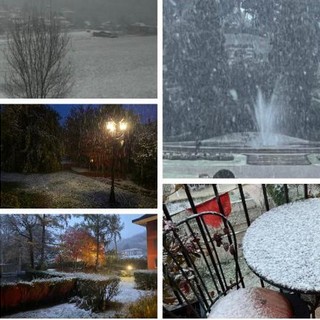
(133, 253)
(150, 222)
(142, 29)
(69, 15)
(104, 34)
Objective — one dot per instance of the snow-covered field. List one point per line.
(70, 190)
(124, 67)
(128, 294)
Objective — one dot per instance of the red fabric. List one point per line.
(212, 205)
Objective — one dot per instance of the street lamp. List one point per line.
(117, 131)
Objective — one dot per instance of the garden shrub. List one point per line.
(24, 199)
(70, 266)
(9, 200)
(145, 307)
(97, 291)
(146, 279)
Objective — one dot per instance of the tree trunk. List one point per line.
(43, 241)
(31, 251)
(115, 245)
(97, 253)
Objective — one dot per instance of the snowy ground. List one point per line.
(70, 190)
(124, 67)
(127, 295)
(192, 169)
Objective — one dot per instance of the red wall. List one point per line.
(152, 244)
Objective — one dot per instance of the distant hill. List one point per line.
(137, 241)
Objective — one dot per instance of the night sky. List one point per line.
(146, 112)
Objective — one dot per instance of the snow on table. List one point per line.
(283, 246)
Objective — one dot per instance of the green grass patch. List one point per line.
(11, 186)
(13, 196)
(145, 307)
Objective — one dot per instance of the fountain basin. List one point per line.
(244, 143)
(287, 151)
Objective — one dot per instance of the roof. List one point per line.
(143, 220)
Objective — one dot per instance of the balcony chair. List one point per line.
(202, 276)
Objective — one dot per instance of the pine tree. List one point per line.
(198, 69)
(295, 59)
(30, 139)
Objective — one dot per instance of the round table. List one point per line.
(282, 246)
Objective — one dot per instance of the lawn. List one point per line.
(66, 189)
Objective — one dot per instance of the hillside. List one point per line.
(137, 241)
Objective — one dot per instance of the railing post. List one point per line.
(305, 187)
(244, 204)
(286, 193)
(265, 196)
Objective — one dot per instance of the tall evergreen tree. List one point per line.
(295, 59)
(46, 221)
(30, 138)
(198, 71)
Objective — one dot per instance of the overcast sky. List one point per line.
(130, 229)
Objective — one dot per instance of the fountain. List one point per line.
(266, 114)
(266, 146)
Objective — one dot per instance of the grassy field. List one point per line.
(124, 67)
(66, 189)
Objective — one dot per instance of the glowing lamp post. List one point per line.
(117, 131)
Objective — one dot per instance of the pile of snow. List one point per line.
(65, 310)
(128, 293)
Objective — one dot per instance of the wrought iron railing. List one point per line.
(194, 273)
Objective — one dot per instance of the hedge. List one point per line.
(95, 291)
(29, 295)
(146, 279)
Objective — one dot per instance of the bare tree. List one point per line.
(24, 225)
(36, 57)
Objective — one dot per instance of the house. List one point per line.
(104, 34)
(142, 29)
(132, 253)
(150, 222)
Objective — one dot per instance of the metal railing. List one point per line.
(194, 273)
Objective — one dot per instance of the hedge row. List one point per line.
(146, 279)
(95, 291)
(29, 295)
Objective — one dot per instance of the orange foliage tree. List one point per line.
(79, 246)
